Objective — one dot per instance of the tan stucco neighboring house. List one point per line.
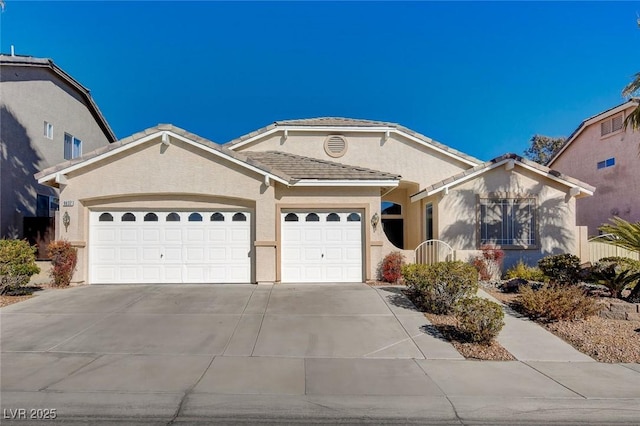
(605, 154)
(46, 116)
(312, 200)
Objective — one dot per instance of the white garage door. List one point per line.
(170, 247)
(321, 247)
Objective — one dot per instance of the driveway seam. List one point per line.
(226, 346)
(71, 373)
(551, 378)
(188, 392)
(264, 314)
(399, 322)
(453, 407)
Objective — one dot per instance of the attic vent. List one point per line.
(335, 145)
(611, 125)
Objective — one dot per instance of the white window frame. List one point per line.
(48, 130)
(72, 147)
(500, 226)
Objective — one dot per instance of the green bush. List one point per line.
(524, 271)
(438, 287)
(615, 274)
(63, 262)
(561, 268)
(17, 264)
(555, 302)
(479, 319)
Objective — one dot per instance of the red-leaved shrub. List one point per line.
(392, 267)
(489, 262)
(63, 262)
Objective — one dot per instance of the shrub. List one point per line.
(614, 274)
(17, 264)
(489, 262)
(554, 302)
(561, 268)
(479, 319)
(438, 287)
(63, 262)
(392, 267)
(524, 271)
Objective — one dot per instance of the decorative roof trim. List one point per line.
(507, 159)
(588, 122)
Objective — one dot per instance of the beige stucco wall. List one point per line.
(29, 97)
(618, 187)
(457, 216)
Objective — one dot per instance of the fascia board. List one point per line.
(343, 183)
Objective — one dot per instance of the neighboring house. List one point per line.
(314, 200)
(46, 116)
(605, 154)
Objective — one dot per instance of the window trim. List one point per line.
(508, 196)
(48, 130)
(72, 147)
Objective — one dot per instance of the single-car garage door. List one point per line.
(169, 247)
(321, 247)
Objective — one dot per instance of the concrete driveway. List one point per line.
(281, 354)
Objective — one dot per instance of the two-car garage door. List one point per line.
(170, 247)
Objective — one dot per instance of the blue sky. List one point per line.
(482, 77)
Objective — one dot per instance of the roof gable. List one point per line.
(588, 122)
(577, 187)
(337, 124)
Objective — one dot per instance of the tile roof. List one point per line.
(351, 122)
(300, 167)
(544, 170)
(30, 61)
(288, 167)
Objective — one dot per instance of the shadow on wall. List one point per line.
(18, 163)
(552, 236)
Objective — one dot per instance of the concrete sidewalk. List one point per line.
(527, 341)
(187, 389)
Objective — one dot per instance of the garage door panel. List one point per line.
(128, 254)
(157, 251)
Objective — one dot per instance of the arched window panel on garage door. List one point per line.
(239, 217)
(217, 217)
(312, 217)
(353, 217)
(173, 217)
(106, 217)
(195, 217)
(128, 217)
(291, 217)
(150, 217)
(333, 217)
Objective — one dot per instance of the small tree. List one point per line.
(542, 148)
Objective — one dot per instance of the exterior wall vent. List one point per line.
(335, 145)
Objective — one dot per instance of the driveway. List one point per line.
(286, 353)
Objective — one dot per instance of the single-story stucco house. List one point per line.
(310, 200)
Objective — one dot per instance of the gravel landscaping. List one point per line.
(605, 340)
